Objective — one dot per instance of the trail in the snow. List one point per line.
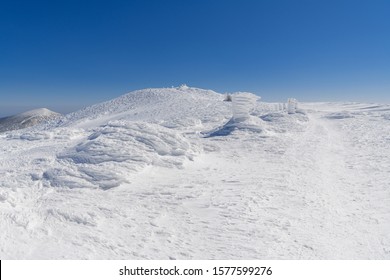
(293, 199)
(299, 199)
(332, 222)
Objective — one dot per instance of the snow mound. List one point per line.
(250, 124)
(273, 117)
(27, 119)
(108, 156)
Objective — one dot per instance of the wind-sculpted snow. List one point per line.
(171, 174)
(109, 155)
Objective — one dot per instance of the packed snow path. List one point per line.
(300, 199)
(312, 186)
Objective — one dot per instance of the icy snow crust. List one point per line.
(171, 174)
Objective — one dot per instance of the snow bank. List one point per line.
(250, 124)
(272, 117)
(107, 157)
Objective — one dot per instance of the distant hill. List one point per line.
(27, 119)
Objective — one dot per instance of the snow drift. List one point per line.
(114, 151)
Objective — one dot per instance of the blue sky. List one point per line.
(68, 54)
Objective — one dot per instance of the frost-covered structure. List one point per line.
(244, 107)
(243, 104)
(292, 105)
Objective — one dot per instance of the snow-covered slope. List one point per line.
(179, 107)
(27, 119)
(169, 173)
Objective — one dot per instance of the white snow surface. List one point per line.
(169, 174)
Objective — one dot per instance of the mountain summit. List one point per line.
(27, 119)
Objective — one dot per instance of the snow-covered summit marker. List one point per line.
(292, 105)
(243, 104)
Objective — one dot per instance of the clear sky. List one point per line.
(67, 54)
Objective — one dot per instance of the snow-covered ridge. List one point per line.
(154, 105)
(27, 119)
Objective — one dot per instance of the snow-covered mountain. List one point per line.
(170, 173)
(178, 105)
(27, 119)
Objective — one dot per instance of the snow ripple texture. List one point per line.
(119, 148)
